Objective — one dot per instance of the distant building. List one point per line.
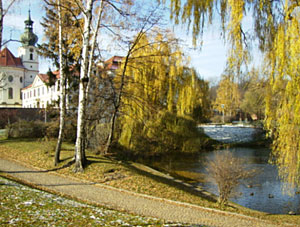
(39, 94)
(18, 72)
(113, 63)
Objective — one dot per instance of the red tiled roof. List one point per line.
(44, 77)
(113, 63)
(8, 59)
(29, 86)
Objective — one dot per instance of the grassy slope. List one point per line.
(119, 174)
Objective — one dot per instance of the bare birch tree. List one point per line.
(62, 95)
(87, 51)
(88, 48)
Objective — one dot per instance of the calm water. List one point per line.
(255, 193)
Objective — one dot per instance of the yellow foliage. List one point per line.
(276, 26)
(228, 96)
(156, 80)
(283, 102)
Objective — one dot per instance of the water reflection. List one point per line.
(263, 192)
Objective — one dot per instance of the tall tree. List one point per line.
(87, 11)
(276, 27)
(62, 80)
(254, 92)
(228, 96)
(143, 24)
(62, 21)
(158, 98)
(90, 14)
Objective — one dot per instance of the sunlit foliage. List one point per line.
(283, 102)
(160, 86)
(72, 38)
(276, 28)
(228, 96)
(253, 91)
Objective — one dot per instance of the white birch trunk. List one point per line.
(94, 39)
(62, 95)
(79, 147)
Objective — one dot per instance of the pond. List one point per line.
(262, 192)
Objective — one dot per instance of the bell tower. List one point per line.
(28, 52)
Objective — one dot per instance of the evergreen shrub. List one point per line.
(26, 129)
(52, 130)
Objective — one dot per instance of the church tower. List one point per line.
(28, 52)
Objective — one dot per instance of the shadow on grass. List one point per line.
(178, 185)
(90, 160)
(17, 140)
(42, 171)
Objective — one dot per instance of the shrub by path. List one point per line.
(127, 201)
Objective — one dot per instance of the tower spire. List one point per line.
(28, 38)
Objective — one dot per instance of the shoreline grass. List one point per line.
(120, 174)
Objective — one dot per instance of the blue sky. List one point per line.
(209, 62)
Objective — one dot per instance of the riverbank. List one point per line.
(124, 175)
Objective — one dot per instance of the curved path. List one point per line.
(127, 201)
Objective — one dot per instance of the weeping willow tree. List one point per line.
(160, 95)
(283, 100)
(276, 27)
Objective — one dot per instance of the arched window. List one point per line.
(31, 56)
(10, 93)
(21, 79)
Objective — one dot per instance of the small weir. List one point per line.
(230, 133)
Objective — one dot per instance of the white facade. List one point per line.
(30, 60)
(14, 77)
(11, 83)
(39, 95)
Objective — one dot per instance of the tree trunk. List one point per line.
(90, 66)
(111, 132)
(79, 147)
(120, 93)
(1, 22)
(62, 103)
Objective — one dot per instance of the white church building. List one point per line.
(18, 72)
(21, 85)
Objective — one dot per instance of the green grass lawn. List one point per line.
(126, 175)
